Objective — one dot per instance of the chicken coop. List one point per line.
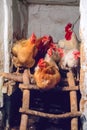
(43, 63)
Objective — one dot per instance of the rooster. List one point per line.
(46, 76)
(70, 41)
(71, 46)
(24, 52)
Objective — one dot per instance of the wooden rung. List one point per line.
(12, 76)
(52, 116)
(67, 88)
(74, 88)
(30, 86)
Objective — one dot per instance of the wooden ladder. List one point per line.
(25, 111)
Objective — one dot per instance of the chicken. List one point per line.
(43, 44)
(70, 59)
(53, 55)
(24, 52)
(70, 41)
(46, 76)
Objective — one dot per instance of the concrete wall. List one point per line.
(51, 19)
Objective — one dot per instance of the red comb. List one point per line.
(68, 27)
(53, 46)
(49, 52)
(47, 38)
(41, 63)
(33, 38)
(76, 54)
(60, 51)
(68, 31)
(68, 35)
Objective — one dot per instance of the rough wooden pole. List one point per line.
(52, 116)
(25, 101)
(73, 101)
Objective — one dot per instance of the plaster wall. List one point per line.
(51, 19)
(1, 34)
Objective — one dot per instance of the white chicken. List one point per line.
(70, 41)
(70, 59)
(53, 55)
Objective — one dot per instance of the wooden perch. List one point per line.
(12, 76)
(19, 78)
(52, 116)
(30, 86)
(33, 86)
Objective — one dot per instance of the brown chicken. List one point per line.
(24, 52)
(43, 44)
(46, 76)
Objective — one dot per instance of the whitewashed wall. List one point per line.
(83, 74)
(1, 34)
(51, 19)
(6, 31)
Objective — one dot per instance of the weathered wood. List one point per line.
(19, 78)
(30, 86)
(52, 116)
(33, 86)
(12, 76)
(73, 101)
(25, 78)
(54, 2)
(25, 101)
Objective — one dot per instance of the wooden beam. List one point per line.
(33, 86)
(54, 2)
(19, 78)
(12, 76)
(52, 116)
